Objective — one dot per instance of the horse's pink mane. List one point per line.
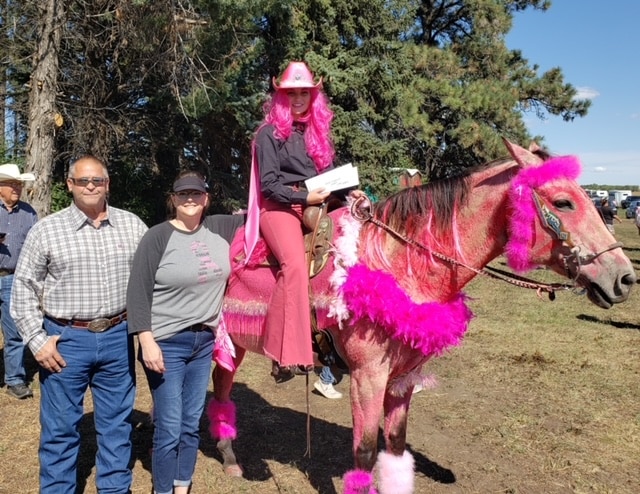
(523, 218)
(427, 214)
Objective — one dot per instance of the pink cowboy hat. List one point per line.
(297, 75)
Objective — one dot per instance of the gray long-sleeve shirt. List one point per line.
(178, 278)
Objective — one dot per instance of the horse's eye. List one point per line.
(564, 205)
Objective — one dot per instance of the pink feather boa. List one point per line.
(429, 327)
(523, 217)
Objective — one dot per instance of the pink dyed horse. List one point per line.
(392, 296)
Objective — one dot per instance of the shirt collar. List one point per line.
(79, 219)
(14, 209)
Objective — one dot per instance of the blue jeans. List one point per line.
(14, 372)
(178, 401)
(104, 362)
(326, 376)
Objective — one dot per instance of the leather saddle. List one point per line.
(319, 238)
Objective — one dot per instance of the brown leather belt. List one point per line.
(98, 325)
(6, 272)
(197, 327)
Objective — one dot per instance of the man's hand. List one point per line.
(49, 357)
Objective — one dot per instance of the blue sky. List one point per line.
(597, 45)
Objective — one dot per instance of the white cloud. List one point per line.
(599, 169)
(586, 93)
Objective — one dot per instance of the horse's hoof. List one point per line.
(233, 471)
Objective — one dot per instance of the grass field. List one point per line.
(541, 397)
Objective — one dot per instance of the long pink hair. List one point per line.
(318, 124)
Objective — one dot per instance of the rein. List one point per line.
(363, 214)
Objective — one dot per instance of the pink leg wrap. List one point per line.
(358, 482)
(222, 419)
(395, 473)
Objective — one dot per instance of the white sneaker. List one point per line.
(417, 388)
(327, 390)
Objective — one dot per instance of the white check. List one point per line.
(342, 177)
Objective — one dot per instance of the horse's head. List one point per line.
(554, 223)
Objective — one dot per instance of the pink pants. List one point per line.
(288, 325)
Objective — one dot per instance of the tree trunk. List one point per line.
(42, 103)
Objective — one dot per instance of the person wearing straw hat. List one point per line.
(292, 144)
(16, 219)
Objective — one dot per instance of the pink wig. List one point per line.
(522, 220)
(318, 124)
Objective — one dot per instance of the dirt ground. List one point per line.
(541, 397)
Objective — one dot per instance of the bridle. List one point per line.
(550, 221)
(553, 223)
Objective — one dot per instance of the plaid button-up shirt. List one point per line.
(69, 269)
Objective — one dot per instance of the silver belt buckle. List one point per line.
(99, 325)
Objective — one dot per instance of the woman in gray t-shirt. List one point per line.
(174, 298)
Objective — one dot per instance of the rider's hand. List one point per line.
(317, 196)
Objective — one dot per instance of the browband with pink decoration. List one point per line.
(522, 218)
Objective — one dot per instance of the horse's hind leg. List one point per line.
(222, 415)
(395, 466)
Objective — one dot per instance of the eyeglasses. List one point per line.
(12, 183)
(185, 194)
(84, 181)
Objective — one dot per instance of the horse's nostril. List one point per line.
(629, 279)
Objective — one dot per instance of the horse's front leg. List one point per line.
(222, 415)
(395, 466)
(367, 397)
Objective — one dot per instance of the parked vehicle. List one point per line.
(618, 196)
(629, 200)
(631, 209)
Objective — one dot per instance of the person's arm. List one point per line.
(225, 225)
(267, 153)
(140, 293)
(143, 275)
(151, 352)
(26, 303)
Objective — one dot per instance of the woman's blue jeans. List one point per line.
(178, 401)
(105, 363)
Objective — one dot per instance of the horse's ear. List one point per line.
(524, 157)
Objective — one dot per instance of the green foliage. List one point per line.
(60, 197)
(154, 87)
